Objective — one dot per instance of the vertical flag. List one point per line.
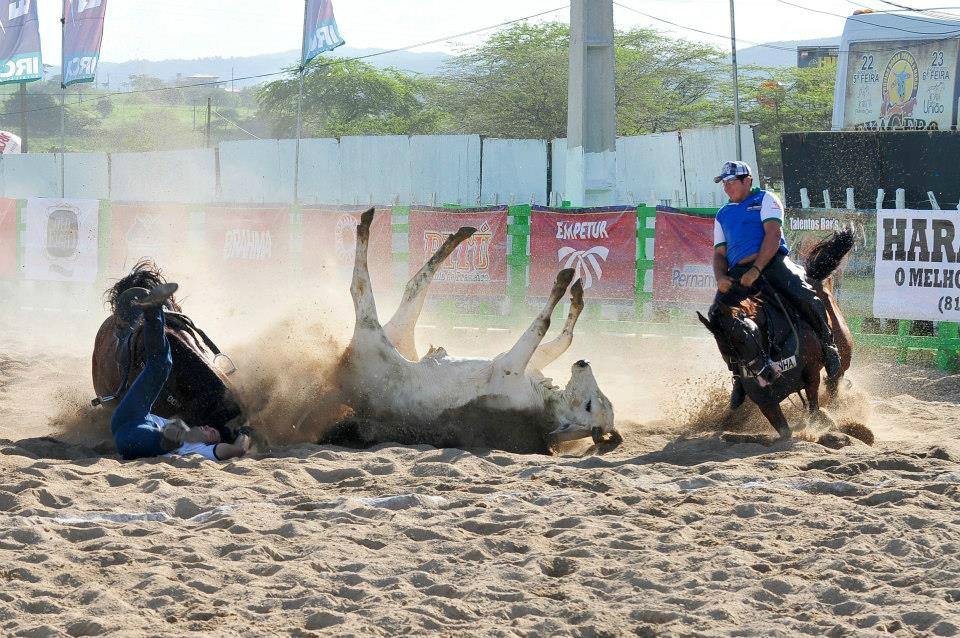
(320, 31)
(19, 42)
(82, 34)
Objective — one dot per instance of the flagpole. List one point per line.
(296, 157)
(63, 103)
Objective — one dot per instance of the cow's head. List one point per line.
(582, 410)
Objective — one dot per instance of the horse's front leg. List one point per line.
(775, 415)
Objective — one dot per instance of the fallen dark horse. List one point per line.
(773, 349)
(197, 390)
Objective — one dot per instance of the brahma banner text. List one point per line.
(478, 267)
(600, 244)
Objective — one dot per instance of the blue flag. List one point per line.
(320, 31)
(82, 35)
(19, 42)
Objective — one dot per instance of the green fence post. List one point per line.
(518, 260)
(644, 263)
(946, 357)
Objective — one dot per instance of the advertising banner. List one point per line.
(82, 35)
(599, 243)
(853, 280)
(901, 85)
(147, 231)
(247, 242)
(320, 32)
(8, 238)
(61, 239)
(683, 268)
(20, 42)
(478, 267)
(917, 272)
(330, 242)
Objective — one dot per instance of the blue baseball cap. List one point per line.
(732, 170)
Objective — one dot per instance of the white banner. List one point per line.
(61, 238)
(917, 269)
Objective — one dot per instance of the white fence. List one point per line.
(675, 168)
(433, 170)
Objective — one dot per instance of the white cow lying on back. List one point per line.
(504, 403)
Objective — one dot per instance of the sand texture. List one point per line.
(674, 533)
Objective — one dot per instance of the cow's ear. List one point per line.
(705, 322)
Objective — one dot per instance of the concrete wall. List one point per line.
(675, 167)
(514, 172)
(187, 176)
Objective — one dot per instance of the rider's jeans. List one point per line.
(135, 432)
(788, 279)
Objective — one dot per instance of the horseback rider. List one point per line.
(748, 243)
(136, 431)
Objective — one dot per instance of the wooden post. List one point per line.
(934, 204)
(901, 199)
(826, 198)
(851, 203)
(880, 195)
(804, 198)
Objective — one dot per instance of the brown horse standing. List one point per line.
(197, 391)
(760, 324)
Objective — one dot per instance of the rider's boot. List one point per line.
(831, 360)
(738, 394)
(157, 296)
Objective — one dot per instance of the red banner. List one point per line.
(601, 244)
(683, 268)
(478, 267)
(247, 241)
(8, 238)
(154, 231)
(330, 241)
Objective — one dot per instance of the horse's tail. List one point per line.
(827, 255)
(145, 274)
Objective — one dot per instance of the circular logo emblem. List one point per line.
(900, 83)
(63, 233)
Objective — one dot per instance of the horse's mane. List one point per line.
(826, 255)
(145, 274)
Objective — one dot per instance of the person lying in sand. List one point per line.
(136, 432)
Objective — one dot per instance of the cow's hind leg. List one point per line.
(400, 328)
(360, 289)
(517, 358)
(548, 352)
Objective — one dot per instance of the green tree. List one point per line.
(515, 83)
(786, 101)
(352, 98)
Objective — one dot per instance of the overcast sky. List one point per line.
(161, 29)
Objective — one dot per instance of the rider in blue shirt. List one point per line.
(748, 242)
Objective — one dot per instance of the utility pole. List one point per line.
(209, 106)
(23, 117)
(736, 84)
(591, 108)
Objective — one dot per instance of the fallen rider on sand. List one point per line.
(137, 432)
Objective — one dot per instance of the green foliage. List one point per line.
(352, 98)
(786, 101)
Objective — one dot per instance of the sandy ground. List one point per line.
(675, 533)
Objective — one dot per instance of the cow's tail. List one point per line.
(827, 255)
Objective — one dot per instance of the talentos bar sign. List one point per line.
(917, 266)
